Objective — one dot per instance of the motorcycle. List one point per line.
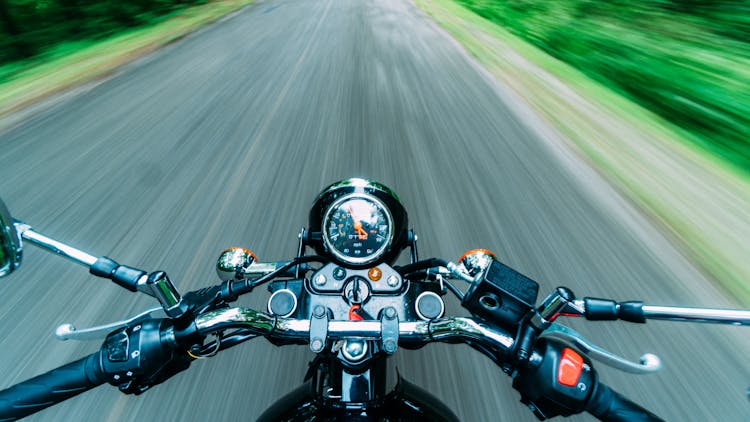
(353, 307)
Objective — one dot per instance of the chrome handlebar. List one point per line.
(455, 329)
(488, 339)
(707, 315)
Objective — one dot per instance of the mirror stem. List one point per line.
(76, 255)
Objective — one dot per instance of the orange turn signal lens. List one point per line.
(374, 274)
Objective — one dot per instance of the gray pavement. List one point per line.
(226, 137)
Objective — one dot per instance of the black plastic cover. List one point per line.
(609, 310)
(600, 309)
(123, 275)
(282, 303)
(430, 306)
(502, 295)
(632, 312)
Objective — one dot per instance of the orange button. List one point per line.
(570, 368)
(374, 273)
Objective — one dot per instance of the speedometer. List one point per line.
(358, 229)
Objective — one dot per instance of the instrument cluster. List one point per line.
(360, 227)
(358, 223)
(357, 229)
(356, 294)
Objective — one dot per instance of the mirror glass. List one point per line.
(10, 243)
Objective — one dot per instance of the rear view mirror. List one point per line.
(10, 243)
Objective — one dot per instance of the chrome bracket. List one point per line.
(70, 332)
(318, 328)
(649, 362)
(456, 272)
(389, 330)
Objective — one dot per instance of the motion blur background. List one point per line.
(685, 60)
(598, 145)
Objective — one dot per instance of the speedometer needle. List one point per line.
(361, 233)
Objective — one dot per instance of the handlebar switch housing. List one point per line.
(501, 295)
(557, 382)
(134, 358)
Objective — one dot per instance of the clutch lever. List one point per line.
(650, 363)
(70, 332)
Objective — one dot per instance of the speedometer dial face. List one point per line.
(358, 229)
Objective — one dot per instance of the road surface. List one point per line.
(226, 137)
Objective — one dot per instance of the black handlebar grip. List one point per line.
(51, 388)
(610, 406)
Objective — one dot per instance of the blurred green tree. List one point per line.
(30, 27)
(685, 60)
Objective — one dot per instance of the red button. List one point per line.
(353, 315)
(570, 368)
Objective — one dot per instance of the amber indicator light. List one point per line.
(374, 274)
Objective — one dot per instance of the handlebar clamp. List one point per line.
(318, 329)
(389, 330)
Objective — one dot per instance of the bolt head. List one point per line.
(316, 345)
(390, 313)
(319, 311)
(392, 281)
(320, 280)
(354, 348)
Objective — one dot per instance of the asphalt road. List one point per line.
(226, 137)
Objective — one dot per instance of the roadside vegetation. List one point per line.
(688, 61)
(30, 28)
(49, 46)
(700, 200)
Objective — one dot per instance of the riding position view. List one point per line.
(360, 210)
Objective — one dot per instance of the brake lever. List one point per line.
(650, 363)
(70, 332)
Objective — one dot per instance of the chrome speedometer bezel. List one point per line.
(376, 255)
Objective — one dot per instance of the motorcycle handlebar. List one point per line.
(454, 329)
(51, 388)
(84, 374)
(608, 405)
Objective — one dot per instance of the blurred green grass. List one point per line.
(701, 201)
(688, 61)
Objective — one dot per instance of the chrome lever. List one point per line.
(649, 362)
(69, 331)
